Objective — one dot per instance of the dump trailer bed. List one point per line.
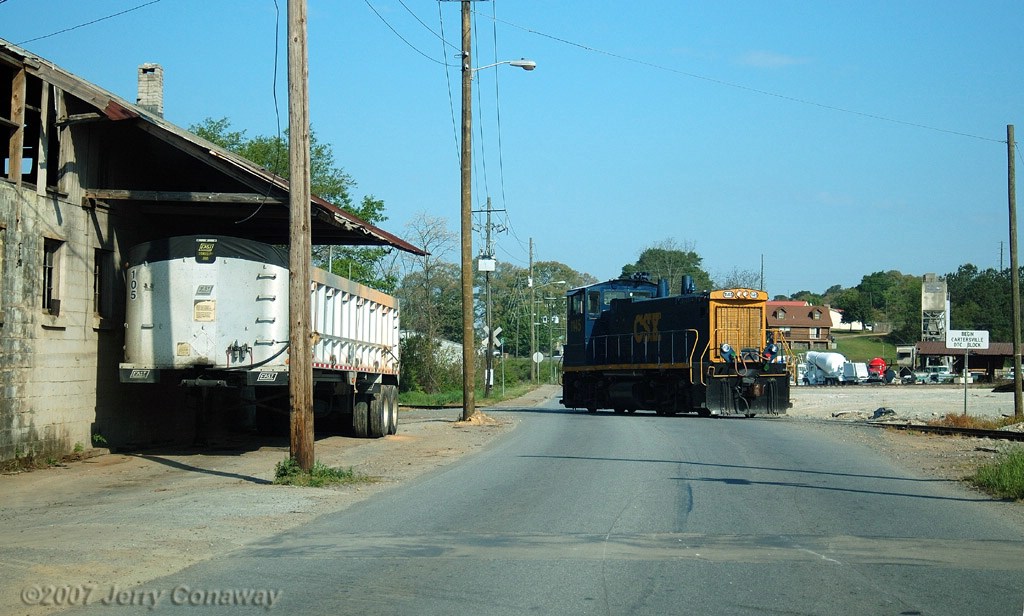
(213, 311)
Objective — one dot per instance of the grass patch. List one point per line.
(1003, 478)
(289, 473)
(864, 347)
(959, 420)
(453, 398)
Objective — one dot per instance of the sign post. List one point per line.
(966, 339)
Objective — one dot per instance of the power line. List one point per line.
(88, 23)
(497, 106)
(448, 77)
(440, 36)
(402, 38)
(737, 86)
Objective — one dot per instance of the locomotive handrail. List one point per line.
(696, 337)
(615, 352)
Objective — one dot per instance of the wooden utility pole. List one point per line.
(489, 360)
(533, 325)
(1018, 401)
(300, 360)
(468, 337)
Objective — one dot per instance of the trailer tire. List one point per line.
(378, 416)
(361, 416)
(391, 400)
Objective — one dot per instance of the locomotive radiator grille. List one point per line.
(740, 326)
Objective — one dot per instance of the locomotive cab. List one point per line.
(585, 305)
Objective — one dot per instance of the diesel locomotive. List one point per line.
(630, 346)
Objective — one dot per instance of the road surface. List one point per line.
(613, 514)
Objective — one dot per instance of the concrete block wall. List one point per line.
(47, 362)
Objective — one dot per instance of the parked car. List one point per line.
(934, 374)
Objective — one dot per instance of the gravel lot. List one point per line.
(126, 519)
(922, 402)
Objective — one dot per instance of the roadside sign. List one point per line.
(967, 339)
(538, 357)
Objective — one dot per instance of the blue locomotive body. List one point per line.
(632, 346)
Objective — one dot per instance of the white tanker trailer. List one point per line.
(824, 368)
(212, 311)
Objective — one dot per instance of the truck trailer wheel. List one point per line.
(361, 416)
(391, 404)
(378, 416)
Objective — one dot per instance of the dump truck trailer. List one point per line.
(212, 311)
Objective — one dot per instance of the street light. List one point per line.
(468, 338)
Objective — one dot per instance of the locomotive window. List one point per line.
(594, 304)
(576, 304)
(613, 295)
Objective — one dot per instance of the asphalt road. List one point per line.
(604, 514)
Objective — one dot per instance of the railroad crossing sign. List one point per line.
(492, 337)
(967, 339)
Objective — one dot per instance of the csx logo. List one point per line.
(139, 374)
(645, 327)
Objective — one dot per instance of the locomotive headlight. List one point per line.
(725, 348)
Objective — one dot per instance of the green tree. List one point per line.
(510, 305)
(367, 265)
(981, 299)
(811, 298)
(854, 304)
(667, 259)
(903, 309)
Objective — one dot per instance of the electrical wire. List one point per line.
(277, 114)
(88, 23)
(737, 86)
(482, 145)
(448, 77)
(402, 38)
(444, 41)
(497, 106)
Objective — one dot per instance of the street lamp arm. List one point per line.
(523, 63)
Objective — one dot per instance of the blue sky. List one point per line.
(835, 139)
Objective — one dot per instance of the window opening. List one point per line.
(51, 275)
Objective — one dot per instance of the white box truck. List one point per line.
(212, 311)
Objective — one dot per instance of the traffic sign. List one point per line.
(967, 339)
(538, 357)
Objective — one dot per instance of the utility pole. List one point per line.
(468, 337)
(1011, 175)
(300, 361)
(488, 255)
(533, 327)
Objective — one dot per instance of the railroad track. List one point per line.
(1003, 435)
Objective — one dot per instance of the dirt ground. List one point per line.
(946, 457)
(126, 518)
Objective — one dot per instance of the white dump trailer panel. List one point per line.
(221, 304)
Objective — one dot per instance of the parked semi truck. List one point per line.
(212, 311)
